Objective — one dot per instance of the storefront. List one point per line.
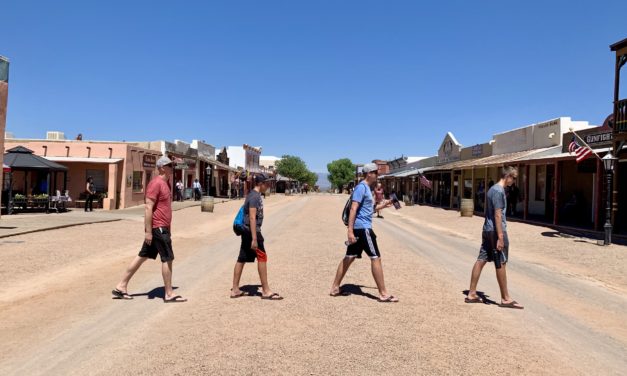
(120, 171)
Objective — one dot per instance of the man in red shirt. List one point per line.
(158, 239)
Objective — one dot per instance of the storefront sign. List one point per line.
(599, 138)
(150, 161)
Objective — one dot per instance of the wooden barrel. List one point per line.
(467, 207)
(206, 204)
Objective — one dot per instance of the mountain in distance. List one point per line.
(323, 181)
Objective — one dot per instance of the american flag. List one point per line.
(581, 152)
(424, 181)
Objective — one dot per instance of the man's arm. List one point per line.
(252, 213)
(150, 204)
(498, 223)
(351, 221)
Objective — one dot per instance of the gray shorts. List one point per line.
(488, 244)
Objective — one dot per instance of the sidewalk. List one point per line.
(18, 224)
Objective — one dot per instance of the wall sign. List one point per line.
(599, 138)
(150, 161)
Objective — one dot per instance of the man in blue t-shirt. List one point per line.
(361, 238)
(494, 237)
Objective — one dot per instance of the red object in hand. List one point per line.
(261, 255)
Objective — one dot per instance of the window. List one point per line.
(99, 179)
(138, 183)
(540, 183)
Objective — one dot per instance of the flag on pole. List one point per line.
(425, 182)
(581, 152)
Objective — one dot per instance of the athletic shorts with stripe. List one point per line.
(366, 242)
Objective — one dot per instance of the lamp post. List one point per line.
(609, 162)
(207, 179)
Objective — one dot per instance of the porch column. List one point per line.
(599, 196)
(110, 202)
(556, 190)
(526, 209)
(485, 191)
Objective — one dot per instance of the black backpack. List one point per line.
(347, 208)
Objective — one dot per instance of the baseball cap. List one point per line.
(370, 167)
(260, 178)
(163, 161)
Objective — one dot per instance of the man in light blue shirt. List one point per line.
(361, 238)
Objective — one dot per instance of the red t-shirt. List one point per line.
(159, 191)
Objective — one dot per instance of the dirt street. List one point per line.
(57, 316)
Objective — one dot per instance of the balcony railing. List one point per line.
(620, 117)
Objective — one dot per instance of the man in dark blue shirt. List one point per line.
(494, 237)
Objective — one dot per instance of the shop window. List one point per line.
(138, 185)
(540, 183)
(100, 184)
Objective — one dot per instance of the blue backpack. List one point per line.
(238, 223)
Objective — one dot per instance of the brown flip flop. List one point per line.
(473, 300)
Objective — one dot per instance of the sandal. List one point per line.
(388, 299)
(273, 296)
(473, 300)
(120, 295)
(339, 293)
(241, 294)
(176, 299)
(513, 304)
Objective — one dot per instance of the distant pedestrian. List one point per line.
(197, 190)
(494, 238)
(90, 193)
(158, 235)
(252, 246)
(361, 238)
(179, 191)
(379, 196)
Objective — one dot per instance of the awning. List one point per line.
(494, 160)
(6, 168)
(84, 160)
(218, 164)
(21, 158)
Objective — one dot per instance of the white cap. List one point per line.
(369, 167)
(163, 161)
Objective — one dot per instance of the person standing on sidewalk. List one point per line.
(90, 192)
(179, 191)
(252, 246)
(158, 238)
(361, 238)
(494, 237)
(379, 196)
(197, 190)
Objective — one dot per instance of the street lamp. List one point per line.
(207, 179)
(609, 162)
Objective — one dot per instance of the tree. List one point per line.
(312, 179)
(292, 167)
(341, 172)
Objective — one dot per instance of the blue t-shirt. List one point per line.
(363, 196)
(496, 200)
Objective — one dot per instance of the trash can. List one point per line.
(206, 204)
(467, 207)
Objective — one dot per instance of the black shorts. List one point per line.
(366, 242)
(488, 245)
(161, 245)
(248, 255)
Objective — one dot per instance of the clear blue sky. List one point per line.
(319, 79)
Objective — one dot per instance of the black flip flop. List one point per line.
(272, 297)
(117, 294)
(389, 299)
(176, 299)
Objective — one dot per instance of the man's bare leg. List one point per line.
(342, 269)
(262, 267)
(129, 273)
(474, 279)
(166, 271)
(377, 273)
(501, 277)
(237, 276)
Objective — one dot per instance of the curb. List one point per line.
(59, 227)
